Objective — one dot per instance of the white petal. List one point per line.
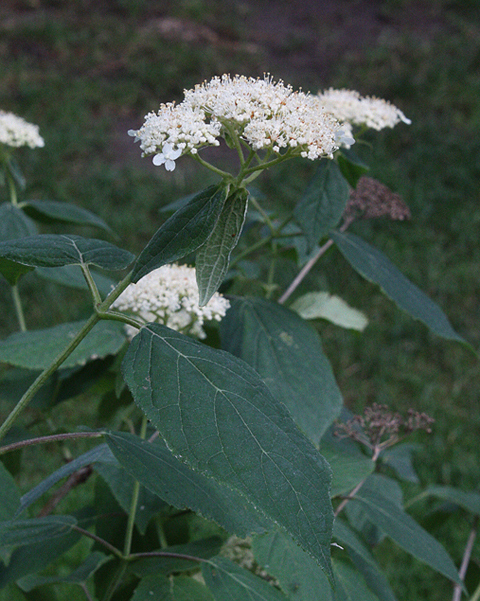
(158, 159)
(169, 165)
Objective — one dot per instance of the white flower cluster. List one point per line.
(351, 108)
(169, 295)
(15, 132)
(265, 114)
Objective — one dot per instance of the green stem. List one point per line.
(13, 190)
(223, 174)
(17, 302)
(71, 346)
(266, 218)
(100, 541)
(47, 439)
(97, 299)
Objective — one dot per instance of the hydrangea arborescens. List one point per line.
(350, 108)
(259, 113)
(169, 295)
(16, 132)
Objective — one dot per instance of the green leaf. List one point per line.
(227, 580)
(351, 585)
(12, 272)
(183, 232)
(213, 257)
(323, 305)
(37, 349)
(470, 501)
(405, 531)
(52, 211)
(121, 484)
(72, 277)
(287, 353)
(55, 250)
(298, 574)
(351, 166)
(364, 561)
(79, 576)
(20, 533)
(400, 459)
(9, 494)
(375, 267)
(215, 413)
(13, 168)
(154, 466)
(201, 549)
(158, 587)
(14, 223)
(323, 203)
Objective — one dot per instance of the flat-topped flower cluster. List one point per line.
(260, 113)
(169, 295)
(349, 107)
(16, 132)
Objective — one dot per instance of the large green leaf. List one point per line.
(213, 257)
(183, 232)
(298, 574)
(20, 533)
(37, 349)
(55, 250)
(403, 529)
(351, 585)
(9, 494)
(154, 466)
(287, 353)
(363, 560)
(323, 203)
(215, 413)
(158, 587)
(52, 211)
(470, 501)
(14, 223)
(375, 267)
(227, 580)
(72, 277)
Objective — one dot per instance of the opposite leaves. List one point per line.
(216, 414)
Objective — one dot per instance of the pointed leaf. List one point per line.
(19, 533)
(154, 466)
(213, 257)
(14, 223)
(375, 267)
(227, 580)
(52, 211)
(470, 501)
(9, 494)
(215, 413)
(55, 250)
(351, 585)
(183, 232)
(287, 353)
(37, 349)
(323, 203)
(348, 467)
(298, 574)
(322, 305)
(72, 277)
(405, 531)
(351, 166)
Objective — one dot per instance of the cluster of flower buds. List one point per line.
(16, 132)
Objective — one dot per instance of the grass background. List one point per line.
(86, 72)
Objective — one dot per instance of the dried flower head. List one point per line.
(239, 550)
(262, 113)
(351, 108)
(16, 132)
(379, 428)
(372, 199)
(169, 295)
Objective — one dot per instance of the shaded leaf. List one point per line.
(349, 467)
(183, 232)
(323, 305)
(52, 211)
(227, 580)
(351, 166)
(287, 353)
(470, 501)
(12, 272)
(350, 584)
(20, 533)
(55, 250)
(213, 257)
(9, 494)
(72, 276)
(298, 574)
(215, 412)
(37, 349)
(323, 203)
(154, 466)
(376, 267)
(400, 459)
(14, 223)
(158, 587)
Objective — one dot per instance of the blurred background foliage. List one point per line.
(87, 71)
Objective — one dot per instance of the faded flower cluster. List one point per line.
(265, 115)
(169, 295)
(352, 109)
(16, 132)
